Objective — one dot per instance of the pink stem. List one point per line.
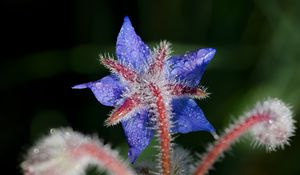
(224, 142)
(164, 134)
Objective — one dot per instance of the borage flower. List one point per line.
(152, 90)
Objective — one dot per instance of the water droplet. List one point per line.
(36, 150)
(270, 148)
(134, 54)
(98, 84)
(175, 72)
(140, 125)
(187, 64)
(64, 148)
(67, 134)
(52, 131)
(183, 125)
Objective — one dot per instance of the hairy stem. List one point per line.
(226, 140)
(163, 131)
(65, 152)
(104, 159)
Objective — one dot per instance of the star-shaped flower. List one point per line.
(142, 78)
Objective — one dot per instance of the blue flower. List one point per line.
(128, 88)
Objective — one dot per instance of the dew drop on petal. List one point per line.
(98, 84)
(134, 54)
(140, 125)
(186, 64)
(174, 72)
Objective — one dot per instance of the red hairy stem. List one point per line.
(128, 105)
(103, 158)
(163, 130)
(127, 73)
(226, 140)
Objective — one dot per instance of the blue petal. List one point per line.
(107, 90)
(130, 49)
(138, 133)
(188, 117)
(189, 67)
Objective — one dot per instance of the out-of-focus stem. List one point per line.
(223, 143)
(103, 158)
(65, 152)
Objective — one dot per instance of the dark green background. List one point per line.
(48, 46)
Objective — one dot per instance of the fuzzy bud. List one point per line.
(269, 121)
(65, 152)
(279, 127)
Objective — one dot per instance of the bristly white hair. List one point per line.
(276, 132)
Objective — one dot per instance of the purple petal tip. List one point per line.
(126, 18)
(132, 156)
(80, 86)
(208, 52)
(212, 51)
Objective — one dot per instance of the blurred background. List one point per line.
(49, 46)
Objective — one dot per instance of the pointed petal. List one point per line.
(138, 133)
(189, 67)
(107, 90)
(188, 117)
(130, 49)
